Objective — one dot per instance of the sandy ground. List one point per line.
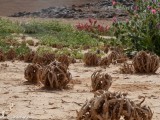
(20, 100)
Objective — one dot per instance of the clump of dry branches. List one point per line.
(29, 57)
(44, 59)
(91, 59)
(56, 76)
(31, 73)
(100, 81)
(145, 62)
(106, 49)
(11, 54)
(64, 59)
(127, 68)
(104, 62)
(116, 57)
(113, 106)
(2, 56)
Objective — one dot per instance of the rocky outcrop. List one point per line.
(102, 9)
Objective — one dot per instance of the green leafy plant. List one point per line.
(142, 30)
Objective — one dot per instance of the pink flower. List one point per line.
(113, 3)
(149, 7)
(153, 11)
(114, 19)
(127, 20)
(90, 21)
(107, 28)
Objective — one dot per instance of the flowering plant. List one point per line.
(93, 27)
(142, 30)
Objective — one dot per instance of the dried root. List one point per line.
(11, 54)
(104, 62)
(145, 63)
(100, 81)
(64, 59)
(30, 73)
(127, 69)
(91, 59)
(56, 76)
(29, 57)
(113, 106)
(44, 59)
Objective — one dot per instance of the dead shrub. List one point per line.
(127, 68)
(29, 57)
(91, 59)
(116, 57)
(145, 62)
(106, 49)
(44, 59)
(100, 81)
(11, 54)
(56, 76)
(64, 59)
(2, 56)
(104, 62)
(113, 106)
(30, 73)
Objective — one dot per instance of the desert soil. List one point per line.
(19, 99)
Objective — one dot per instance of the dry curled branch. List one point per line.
(91, 59)
(64, 59)
(31, 73)
(100, 81)
(127, 68)
(44, 59)
(113, 106)
(56, 76)
(145, 62)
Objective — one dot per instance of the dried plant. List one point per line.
(2, 56)
(11, 54)
(104, 62)
(91, 59)
(64, 59)
(56, 76)
(29, 57)
(145, 62)
(116, 57)
(127, 68)
(100, 81)
(30, 73)
(44, 59)
(106, 49)
(113, 106)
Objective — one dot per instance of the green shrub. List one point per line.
(142, 31)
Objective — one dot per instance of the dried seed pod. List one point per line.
(64, 59)
(127, 69)
(11, 54)
(113, 106)
(91, 59)
(56, 76)
(100, 81)
(29, 57)
(44, 59)
(145, 62)
(30, 73)
(104, 62)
